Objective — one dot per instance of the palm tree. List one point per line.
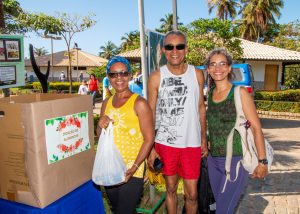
(224, 8)
(130, 41)
(109, 50)
(260, 14)
(40, 51)
(247, 26)
(167, 23)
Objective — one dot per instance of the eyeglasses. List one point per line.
(218, 64)
(118, 74)
(171, 47)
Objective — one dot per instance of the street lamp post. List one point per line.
(174, 4)
(76, 47)
(55, 38)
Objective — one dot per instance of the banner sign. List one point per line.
(66, 136)
(155, 56)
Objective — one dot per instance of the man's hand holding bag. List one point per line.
(109, 167)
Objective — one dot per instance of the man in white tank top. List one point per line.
(175, 95)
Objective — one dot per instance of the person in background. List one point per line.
(93, 87)
(221, 117)
(26, 77)
(107, 88)
(80, 78)
(133, 135)
(83, 89)
(62, 76)
(175, 95)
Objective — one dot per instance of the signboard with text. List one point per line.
(12, 67)
(66, 136)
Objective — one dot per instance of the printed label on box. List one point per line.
(66, 136)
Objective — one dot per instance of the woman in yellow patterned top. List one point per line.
(133, 134)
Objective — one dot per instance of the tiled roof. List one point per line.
(60, 59)
(252, 51)
(132, 55)
(258, 51)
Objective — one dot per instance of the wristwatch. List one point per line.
(263, 161)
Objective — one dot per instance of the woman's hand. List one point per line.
(260, 171)
(104, 121)
(204, 150)
(151, 158)
(129, 173)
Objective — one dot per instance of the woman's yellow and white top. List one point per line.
(127, 134)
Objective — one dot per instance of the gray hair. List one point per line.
(176, 33)
(218, 51)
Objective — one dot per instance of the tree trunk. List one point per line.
(2, 21)
(70, 70)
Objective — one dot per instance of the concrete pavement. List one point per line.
(280, 192)
(97, 108)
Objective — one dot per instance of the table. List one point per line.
(86, 199)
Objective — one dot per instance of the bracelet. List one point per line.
(137, 166)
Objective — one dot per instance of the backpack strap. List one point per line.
(229, 145)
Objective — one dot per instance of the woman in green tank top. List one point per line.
(221, 117)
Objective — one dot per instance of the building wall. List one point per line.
(258, 69)
(56, 71)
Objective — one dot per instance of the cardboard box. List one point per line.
(46, 146)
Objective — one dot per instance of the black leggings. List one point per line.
(125, 197)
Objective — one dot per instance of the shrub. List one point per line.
(58, 86)
(279, 106)
(292, 76)
(285, 95)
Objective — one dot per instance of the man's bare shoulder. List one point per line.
(200, 75)
(154, 78)
(155, 74)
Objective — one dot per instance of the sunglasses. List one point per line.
(171, 47)
(118, 74)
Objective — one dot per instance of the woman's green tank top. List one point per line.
(221, 117)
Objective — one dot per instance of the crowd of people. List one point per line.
(172, 125)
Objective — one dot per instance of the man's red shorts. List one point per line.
(182, 161)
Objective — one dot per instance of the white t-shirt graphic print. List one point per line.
(177, 109)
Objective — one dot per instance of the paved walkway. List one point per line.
(97, 108)
(280, 192)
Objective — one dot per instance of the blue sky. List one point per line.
(115, 18)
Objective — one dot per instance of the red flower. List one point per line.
(63, 124)
(71, 120)
(62, 147)
(78, 143)
(71, 148)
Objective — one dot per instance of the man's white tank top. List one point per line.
(177, 115)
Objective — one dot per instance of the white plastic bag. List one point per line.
(109, 167)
